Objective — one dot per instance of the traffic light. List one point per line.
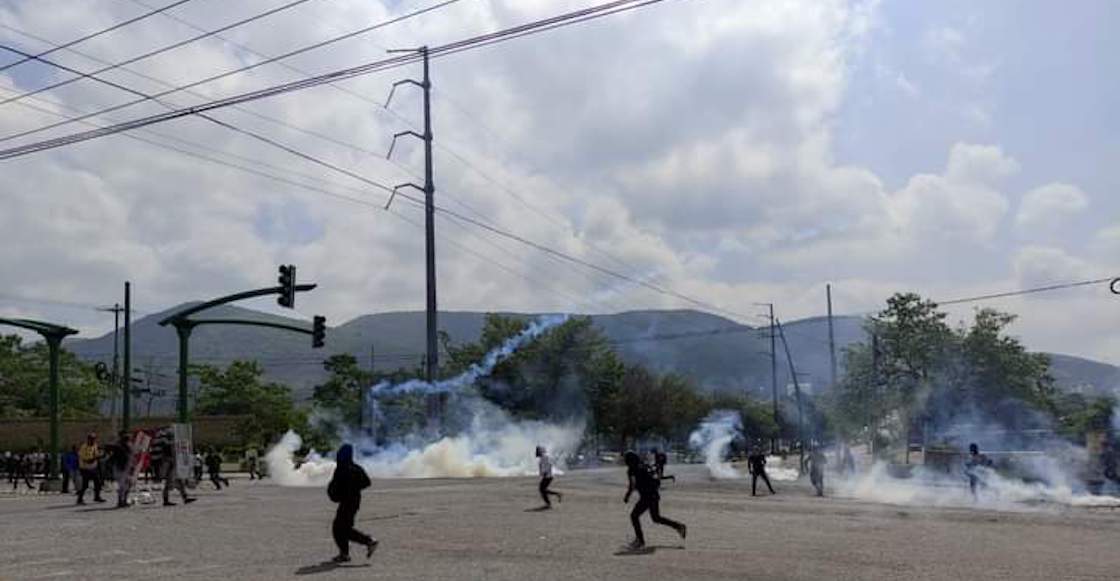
(287, 280)
(318, 331)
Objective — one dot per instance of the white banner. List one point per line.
(141, 441)
(184, 458)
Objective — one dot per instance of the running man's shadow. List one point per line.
(539, 509)
(328, 566)
(646, 550)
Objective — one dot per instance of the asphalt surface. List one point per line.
(487, 529)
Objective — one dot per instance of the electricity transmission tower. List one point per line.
(431, 361)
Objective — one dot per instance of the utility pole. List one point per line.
(431, 368)
(831, 339)
(873, 408)
(797, 396)
(773, 374)
(115, 378)
(126, 402)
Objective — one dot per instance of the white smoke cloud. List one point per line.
(929, 488)
(713, 438)
(493, 445)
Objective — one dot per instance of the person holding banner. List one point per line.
(164, 460)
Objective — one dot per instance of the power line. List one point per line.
(348, 73)
(82, 39)
(473, 221)
(248, 67)
(151, 53)
(1028, 291)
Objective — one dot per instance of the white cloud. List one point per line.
(714, 174)
(1046, 208)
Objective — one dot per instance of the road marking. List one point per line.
(64, 573)
(151, 561)
(42, 562)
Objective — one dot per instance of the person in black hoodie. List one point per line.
(346, 488)
(643, 478)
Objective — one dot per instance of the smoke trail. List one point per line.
(493, 444)
(477, 370)
(713, 438)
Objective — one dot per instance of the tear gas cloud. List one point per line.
(1035, 467)
(712, 439)
(492, 444)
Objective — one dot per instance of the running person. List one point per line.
(214, 469)
(974, 467)
(643, 478)
(346, 488)
(756, 463)
(545, 466)
(817, 463)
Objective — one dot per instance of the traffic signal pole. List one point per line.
(183, 325)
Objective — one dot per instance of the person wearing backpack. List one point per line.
(345, 488)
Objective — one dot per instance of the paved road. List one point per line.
(481, 529)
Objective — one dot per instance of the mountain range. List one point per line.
(717, 353)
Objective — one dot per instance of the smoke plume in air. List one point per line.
(492, 444)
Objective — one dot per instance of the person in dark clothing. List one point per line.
(643, 478)
(120, 463)
(69, 469)
(973, 468)
(544, 462)
(345, 488)
(22, 472)
(10, 466)
(660, 459)
(214, 468)
(756, 463)
(817, 463)
(163, 465)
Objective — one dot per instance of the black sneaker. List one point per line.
(189, 500)
(168, 503)
(683, 531)
(371, 547)
(341, 559)
(99, 499)
(636, 545)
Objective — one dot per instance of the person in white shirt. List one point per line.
(545, 463)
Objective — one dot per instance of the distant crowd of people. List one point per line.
(92, 465)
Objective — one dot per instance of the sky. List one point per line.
(734, 152)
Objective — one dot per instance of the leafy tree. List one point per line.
(24, 381)
(918, 368)
(238, 390)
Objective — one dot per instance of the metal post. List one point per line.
(126, 397)
(116, 376)
(432, 370)
(873, 408)
(831, 339)
(797, 395)
(53, 344)
(774, 377)
(183, 328)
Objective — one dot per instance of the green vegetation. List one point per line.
(23, 382)
(919, 371)
(238, 390)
